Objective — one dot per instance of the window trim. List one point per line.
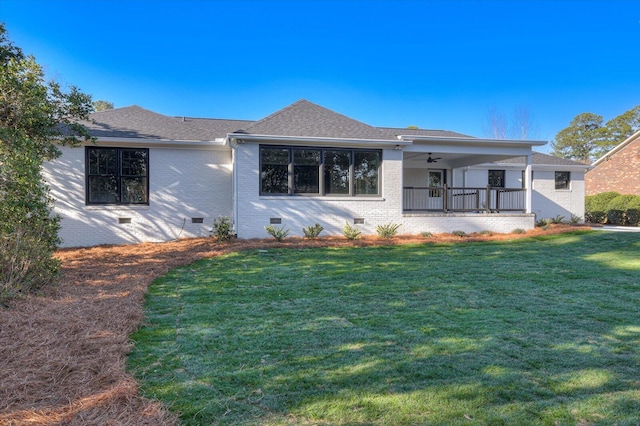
(118, 175)
(322, 187)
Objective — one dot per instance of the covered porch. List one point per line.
(452, 175)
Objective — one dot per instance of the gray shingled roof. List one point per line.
(544, 159)
(394, 132)
(136, 122)
(219, 127)
(304, 118)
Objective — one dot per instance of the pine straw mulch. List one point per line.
(63, 352)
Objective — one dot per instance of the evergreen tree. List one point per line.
(587, 139)
(579, 140)
(35, 116)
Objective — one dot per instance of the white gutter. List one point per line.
(539, 167)
(219, 143)
(316, 141)
(475, 141)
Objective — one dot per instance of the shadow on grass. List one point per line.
(524, 332)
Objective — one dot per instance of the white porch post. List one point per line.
(527, 179)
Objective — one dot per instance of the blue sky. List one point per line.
(433, 64)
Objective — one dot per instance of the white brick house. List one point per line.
(151, 177)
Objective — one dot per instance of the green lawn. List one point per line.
(533, 331)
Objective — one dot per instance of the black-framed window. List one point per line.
(337, 166)
(274, 175)
(306, 171)
(563, 180)
(117, 175)
(319, 171)
(496, 178)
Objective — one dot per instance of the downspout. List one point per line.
(234, 184)
(527, 178)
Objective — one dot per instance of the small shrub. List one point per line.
(575, 219)
(617, 209)
(615, 217)
(279, 233)
(486, 232)
(350, 232)
(26, 264)
(546, 227)
(388, 231)
(596, 206)
(518, 231)
(312, 231)
(461, 234)
(222, 228)
(543, 222)
(427, 234)
(557, 220)
(633, 211)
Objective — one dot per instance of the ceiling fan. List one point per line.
(433, 160)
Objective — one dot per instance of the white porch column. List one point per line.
(528, 181)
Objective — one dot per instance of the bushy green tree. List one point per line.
(618, 129)
(35, 116)
(587, 138)
(579, 140)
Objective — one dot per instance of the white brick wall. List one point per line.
(467, 222)
(254, 211)
(183, 184)
(197, 182)
(548, 202)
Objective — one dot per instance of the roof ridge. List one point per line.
(306, 118)
(179, 117)
(417, 128)
(278, 112)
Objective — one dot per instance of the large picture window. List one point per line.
(316, 171)
(117, 175)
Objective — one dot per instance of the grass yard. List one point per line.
(530, 331)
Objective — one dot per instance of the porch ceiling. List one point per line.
(449, 160)
(462, 152)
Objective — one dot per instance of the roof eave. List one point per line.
(316, 141)
(538, 166)
(479, 141)
(218, 143)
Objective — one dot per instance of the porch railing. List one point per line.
(452, 199)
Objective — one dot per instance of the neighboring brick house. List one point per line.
(149, 177)
(618, 170)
